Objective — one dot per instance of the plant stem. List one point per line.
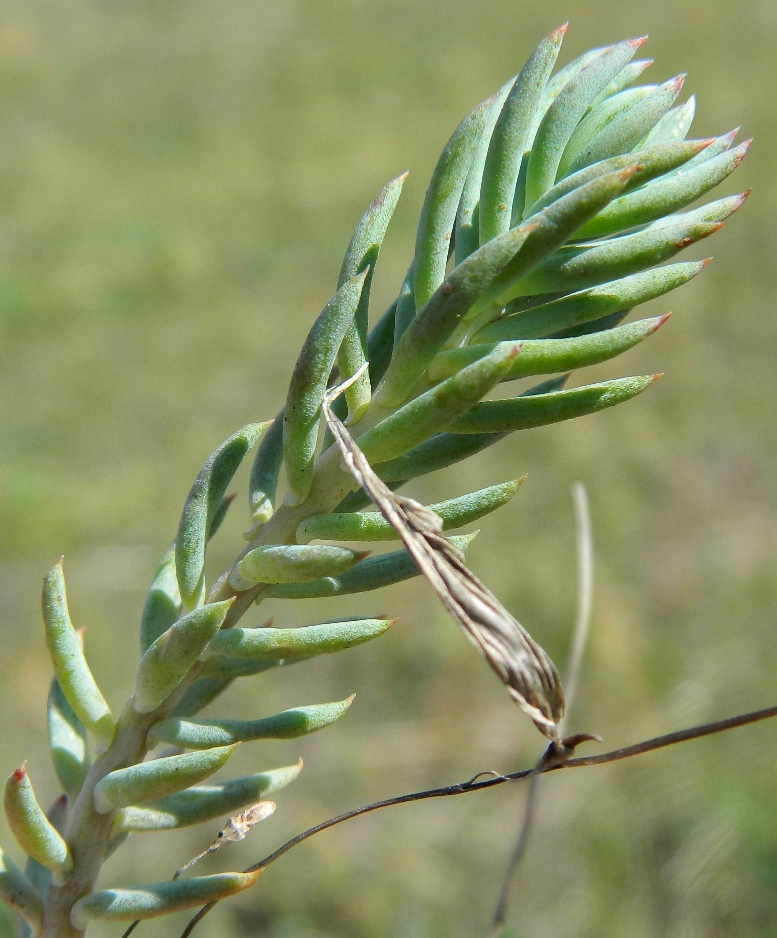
(88, 832)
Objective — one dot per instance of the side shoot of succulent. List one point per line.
(556, 207)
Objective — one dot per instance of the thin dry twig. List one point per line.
(520, 663)
(555, 761)
(585, 569)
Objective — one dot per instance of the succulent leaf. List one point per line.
(266, 468)
(567, 109)
(362, 254)
(151, 901)
(35, 834)
(205, 802)
(521, 413)
(372, 526)
(67, 742)
(674, 125)
(370, 574)
(291, 563)
(205, 734)
(432, 411)
(300, 643)
(163, 601)
(67, 656)
(164, 665)
(201, 505)
(510, 138)
(308, 384)
(17, 890)
(149, 781)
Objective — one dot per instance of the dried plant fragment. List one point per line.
(521, 664)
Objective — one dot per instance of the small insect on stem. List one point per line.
(235, 829)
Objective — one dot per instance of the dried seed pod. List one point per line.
(165, 664)
(35, 834)
(205, 734)
(67, 655)
(205, 802)
(149, 781)
(201, 506)
(155, 899)
(291, 563)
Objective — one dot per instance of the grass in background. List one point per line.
(177, 186)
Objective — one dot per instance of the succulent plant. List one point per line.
(549, 216)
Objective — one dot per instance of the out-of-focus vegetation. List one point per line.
(178, 182)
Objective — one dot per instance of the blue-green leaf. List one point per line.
(297, 644)
(266, 467)
(17, 890)
(308, 384)
(674, 125)
(149, 781)
(371, 574)
(510, 138)
(204, 734)
(291, 563)
(163, 601)
(201, 504)
(205, 802)
(67, 656)
(372, 526)
(35, 834)
(67, 742)
(362, 254)
(155, 899)
(165, 664)
(521, 413)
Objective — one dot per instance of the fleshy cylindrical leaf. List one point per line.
(151, 901)
(299, 643)
(164, 665)
(438, 320)
(67, 655)
(648, 165)
(35, 834)
(67, 742)
(566, 111)
(149, 781)
(202, 692)
(438, 213)
(204, 734)
(291, 563)
(546, 356)
(577, 268)
(509, 139)
(521, 413)
(163, 602)
(38, 875)
(17, 890)
(625, 77)
(205, 802)
(308, 384)
(265, 470)
(674, 125)
(434, 410)
(628, 128)
(587, 305)
(664, 196)
(203, 500)
(372, 526)
(371, 574)
(362, 254)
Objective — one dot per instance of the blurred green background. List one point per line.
(178, 182)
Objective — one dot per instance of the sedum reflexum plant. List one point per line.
(550, 215)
